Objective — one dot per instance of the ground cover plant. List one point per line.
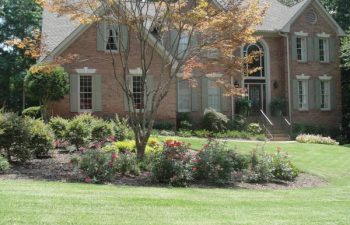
(315, 139)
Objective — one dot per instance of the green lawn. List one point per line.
(38, 202)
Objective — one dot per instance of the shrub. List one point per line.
(302, 128)
(213, 120)
(101, 130)
(97, 166)
(202, 133)
(238, 123)
(41, 137)
(242, 106)
(4, 164)
(254, 128)
(315, 139)
(153, 146)
(174, 165)
(239, 135)
(215, 163)
(184, 133)
(33, 112)
(278, 106)
(122, 130)
(15, 137)
(164, 125)
(184, 121)
(79, 130)
(59, 126)
(269, 167)
(126, 164)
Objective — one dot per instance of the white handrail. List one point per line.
(288, 123)
(267, 118)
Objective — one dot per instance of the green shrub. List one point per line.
(97, 166)
(79, 130)
(33, 112)
(214, 121)
(254, 128)
(315, 139)
(215, 163)
(278, 106)
(4, 164)
(202, 133)
(303, 128)
(242, 106)
(15, 137)
(184, 133)
(41, 137)
(184, 121)
(164, 125)
(122, 130)
(174, 165)
(101, 130)
(270, 167)
(126, 164)
(59, 126)
(238, 123)
(153, 146)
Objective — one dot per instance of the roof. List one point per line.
(59, 31)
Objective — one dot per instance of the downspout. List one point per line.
(232, 101)
(288, 75)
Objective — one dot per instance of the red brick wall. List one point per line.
(316, 69)
(112, 94)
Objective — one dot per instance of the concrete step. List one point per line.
(281, 139)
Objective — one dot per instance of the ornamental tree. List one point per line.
(159, 27)
(46, 83)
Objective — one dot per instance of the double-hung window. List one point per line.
(85, 93)
(213, 95)
(184, 96)
(183, 45)
(137, 92)
(325, 94)
(301, 48)
(303, 100)
(112, 38)
(323, 44)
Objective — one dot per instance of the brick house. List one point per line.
(300, 64)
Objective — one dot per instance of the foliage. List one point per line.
(184, 133)
(153, 146)
(59, 126)
(122, 130)
(315, 139)
(303, 128)
(18, 19)
(266, 167)
(184, 121)
(126, 164)
(164, 125)
(79, 130)
(101, 130)
(41, 137)
(238, 123)
(44, 84)
(278, 106)
(174, 165)
(4, 164)
(34, 112)
(254, 128)
(213, 120)
(214, 163)
(97, 166)
(242, 107)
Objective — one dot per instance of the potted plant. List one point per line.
(278, 106)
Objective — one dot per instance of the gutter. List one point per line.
(288, 75)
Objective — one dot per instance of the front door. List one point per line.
(257, 97)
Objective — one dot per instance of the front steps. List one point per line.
(278, 132)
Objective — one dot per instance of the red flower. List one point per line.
(110, 164)
(194, 168)
(114, 156)
(87, 180)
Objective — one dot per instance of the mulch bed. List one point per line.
(57, 167)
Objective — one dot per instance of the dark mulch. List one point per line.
(57, 167)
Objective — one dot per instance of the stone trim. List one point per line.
(302, 77)
(86, 70)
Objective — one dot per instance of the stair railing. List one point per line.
(286, 125)
(266, 123)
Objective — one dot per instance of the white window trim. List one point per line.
(325, 49)
(303, 77)
(306, 79)
(189, 109)
(303, 46)
(325, 77)
(86, 70)
(131, 85)
(218, 95)
(329, 95)
(92, 93)
(323, 35)
(301, 34)
(117, 39)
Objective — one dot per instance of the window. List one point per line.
(112, 39)
(324, 49)
(137, 91)
(184, 96)
(258, 62)
(325, 95)
(303, 103)
(213, 95)
(85, 93)
(301, 49)
(183, 46)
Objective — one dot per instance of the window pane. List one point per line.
(85, 92)
(112, 40)
(137, 90)
(213, 95)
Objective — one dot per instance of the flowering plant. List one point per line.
(315, 139)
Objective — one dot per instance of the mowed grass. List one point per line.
(39, 202)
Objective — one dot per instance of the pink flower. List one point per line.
(194, 168)
(114, 156)
(87, 180)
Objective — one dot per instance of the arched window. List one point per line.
(258, 61)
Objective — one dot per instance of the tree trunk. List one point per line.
(141, 139)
